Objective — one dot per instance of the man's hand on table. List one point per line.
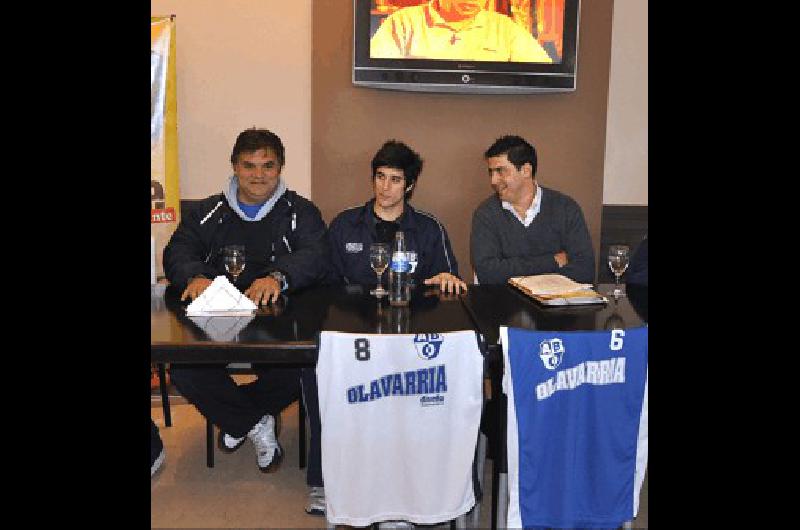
(264, 291)
(447, 283)
(561, 258)
(195, 288)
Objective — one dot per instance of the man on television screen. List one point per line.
(455, 30)
(526, 229)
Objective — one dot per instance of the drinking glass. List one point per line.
(233, 257)
(618, 258)
(379, 260)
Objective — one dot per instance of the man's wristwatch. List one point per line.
(281, 279)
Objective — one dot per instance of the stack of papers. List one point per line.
(555, 289)
(221, 298)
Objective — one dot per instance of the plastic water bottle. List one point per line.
(412, 264)
(399, 288)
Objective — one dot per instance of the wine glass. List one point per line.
(618, 258)
(233, 257)
(379, 260)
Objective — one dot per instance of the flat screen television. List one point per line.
(467, 46)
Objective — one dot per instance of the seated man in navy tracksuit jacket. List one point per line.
(395, 170)
(286, 249)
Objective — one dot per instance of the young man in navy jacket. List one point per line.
(395, 170)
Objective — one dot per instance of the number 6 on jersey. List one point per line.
(616, 339)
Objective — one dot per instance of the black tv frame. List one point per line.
(471, 77)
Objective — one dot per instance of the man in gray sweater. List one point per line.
(526, 229)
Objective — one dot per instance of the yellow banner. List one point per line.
(164, 192)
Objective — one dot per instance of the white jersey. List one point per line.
(400, 417)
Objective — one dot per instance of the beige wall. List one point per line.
(240, 63)
(625, 174)
(451, 131)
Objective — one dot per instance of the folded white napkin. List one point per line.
(222, 328)
(221, 298)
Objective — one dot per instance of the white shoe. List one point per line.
(159, 460)
(316, 501)
(268, 451)
(229, 444)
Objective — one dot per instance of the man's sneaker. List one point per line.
(268, 451)
(156, 465)
(229, 444)
(316, 501)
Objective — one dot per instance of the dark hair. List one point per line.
(252, 140)
(398, 155)
(516, 149)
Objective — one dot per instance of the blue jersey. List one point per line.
(577, 426)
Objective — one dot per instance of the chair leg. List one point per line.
(480, 459)
(162, 383)
(502, 501)
(495, 487)
(500, 464)
(301, 430)
(209, 444)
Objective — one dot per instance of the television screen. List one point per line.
(482, 46)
